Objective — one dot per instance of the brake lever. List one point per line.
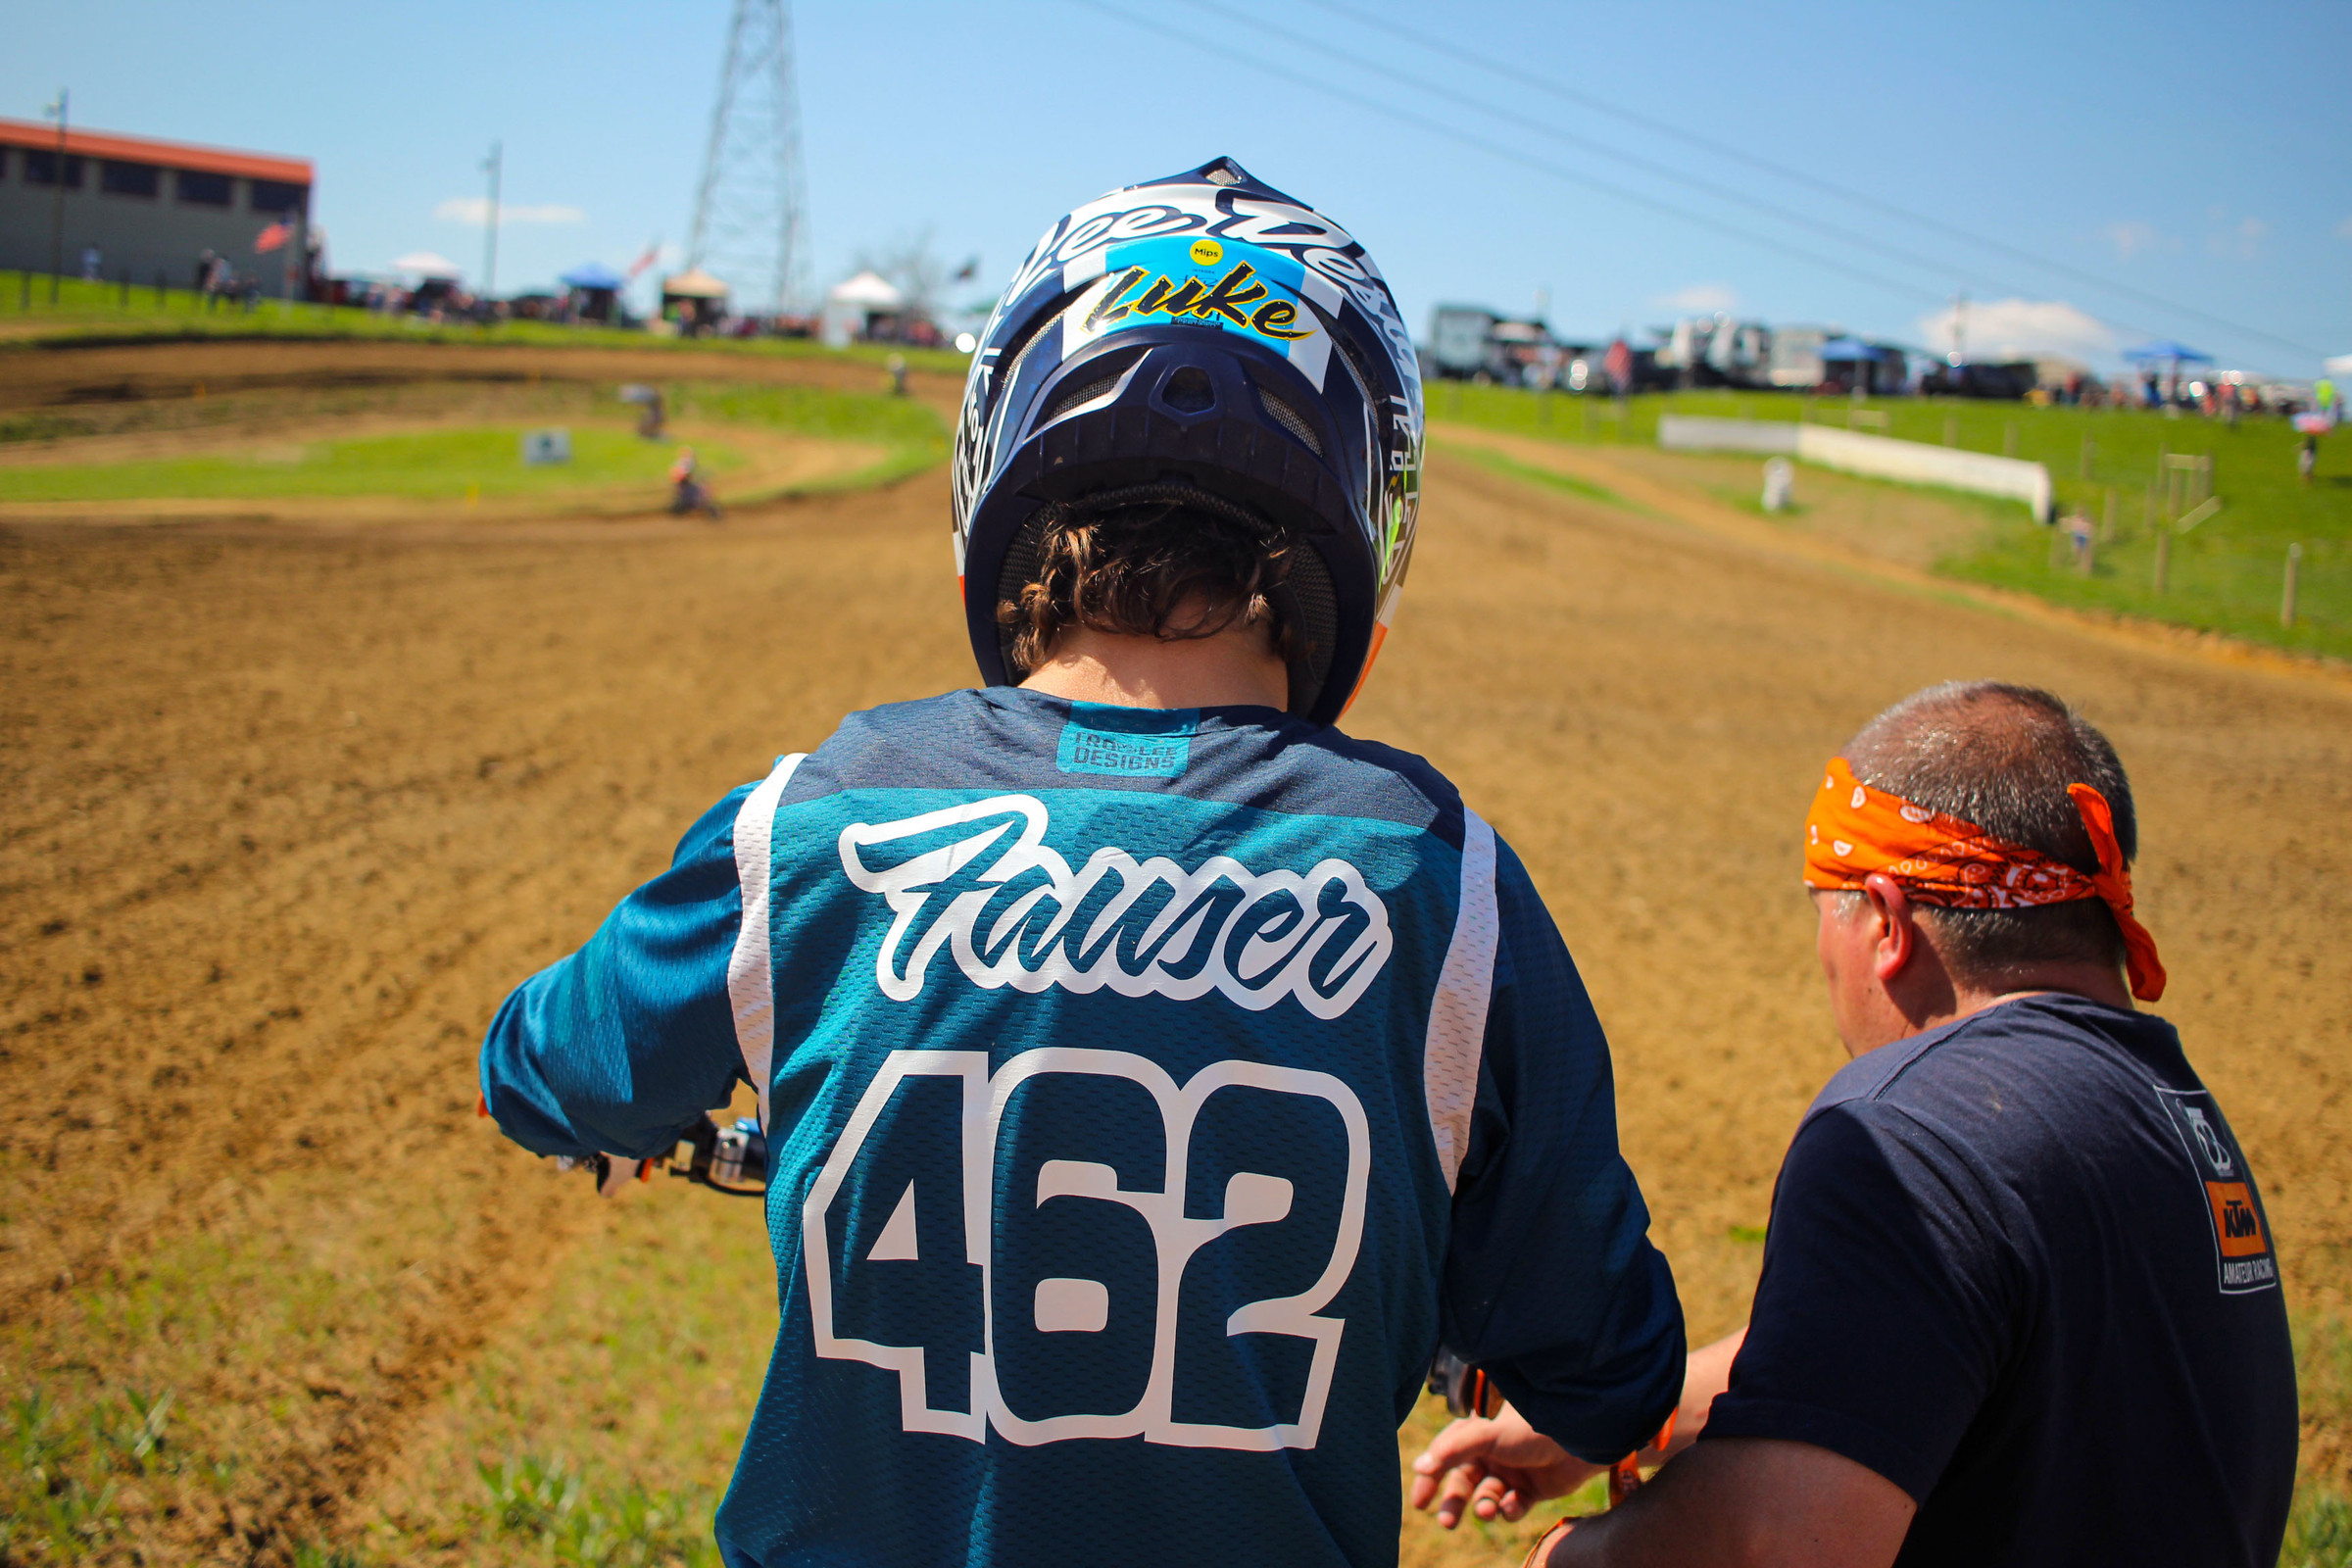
(731, 1159)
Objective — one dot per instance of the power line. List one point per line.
(1291, 78)
(1769, 208)
(1655, 126)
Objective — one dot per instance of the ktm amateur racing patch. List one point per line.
(2241, 1237)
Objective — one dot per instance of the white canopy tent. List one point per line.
(695, 285)
(868, 291)
(850, 306)
(425, 263)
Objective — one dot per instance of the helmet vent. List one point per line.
(1291, 421)
(1189, 391)
(1085, 394)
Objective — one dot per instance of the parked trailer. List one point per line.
(2010, 381)
(1716, 351)
(1461, 341)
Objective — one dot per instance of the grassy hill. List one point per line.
(107, 312)
(2225, 574)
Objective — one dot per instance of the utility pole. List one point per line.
(1960, 327)
(57, 203)
(494, 165)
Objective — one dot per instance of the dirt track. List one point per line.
(289, 815)
(103, 373)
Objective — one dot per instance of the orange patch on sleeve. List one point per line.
(2235, 1219)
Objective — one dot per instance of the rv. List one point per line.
(1715, 351)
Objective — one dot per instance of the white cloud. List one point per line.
(2002, 330)
(1698, 298)
(475, 210)
(2130, 237)
(2241, 240)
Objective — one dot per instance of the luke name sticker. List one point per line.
(2241, 1236)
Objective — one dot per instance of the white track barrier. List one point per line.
(1879, 457)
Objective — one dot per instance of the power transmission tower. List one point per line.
(750, 217)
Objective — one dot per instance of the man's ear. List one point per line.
(1897, 936)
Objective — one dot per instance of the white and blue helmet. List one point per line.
(1204, 333)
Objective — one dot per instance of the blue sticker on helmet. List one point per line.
(1199, 279)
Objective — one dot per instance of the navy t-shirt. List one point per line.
(2019, 1266)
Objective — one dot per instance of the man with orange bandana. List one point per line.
(2020, 1302)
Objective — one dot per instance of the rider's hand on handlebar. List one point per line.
(618, 1175)
(1499, 1467)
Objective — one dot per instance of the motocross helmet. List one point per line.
(1207, 339)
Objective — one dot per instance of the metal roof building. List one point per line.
(148, 208)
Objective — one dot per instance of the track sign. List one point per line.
(541, 447)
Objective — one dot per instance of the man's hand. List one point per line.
(1499, 1467)
(1505, 1466)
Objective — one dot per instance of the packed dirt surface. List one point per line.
(102, 373)
(292, 810)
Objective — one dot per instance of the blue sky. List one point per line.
(2201, 155)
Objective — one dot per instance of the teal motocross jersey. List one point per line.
(1147, 1093)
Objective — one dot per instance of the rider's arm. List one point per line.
(1501, 1466)
(616, 1046)
(1551, 1283)
(1705, 1375)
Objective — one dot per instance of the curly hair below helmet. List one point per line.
(1165, 561)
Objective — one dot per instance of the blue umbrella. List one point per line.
(592, 274)
(2179, 352)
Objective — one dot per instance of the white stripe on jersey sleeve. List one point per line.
(750, 972)
(1457, 1017)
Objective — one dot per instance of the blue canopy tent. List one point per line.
(1863, 357)
(595, 287)
(2165, 352)
(591, 274)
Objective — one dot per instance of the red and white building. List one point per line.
(149, 207)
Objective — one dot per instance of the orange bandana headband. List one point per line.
(1854, 831)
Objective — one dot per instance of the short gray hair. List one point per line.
(2001, 756)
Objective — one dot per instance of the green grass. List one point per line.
(598, 1427)
(88, 314)
(428, 464)
(2318, 1533)
(2225, 575)
(486, 460)
(551, 1505)
(601, 1426)
(914, 434)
